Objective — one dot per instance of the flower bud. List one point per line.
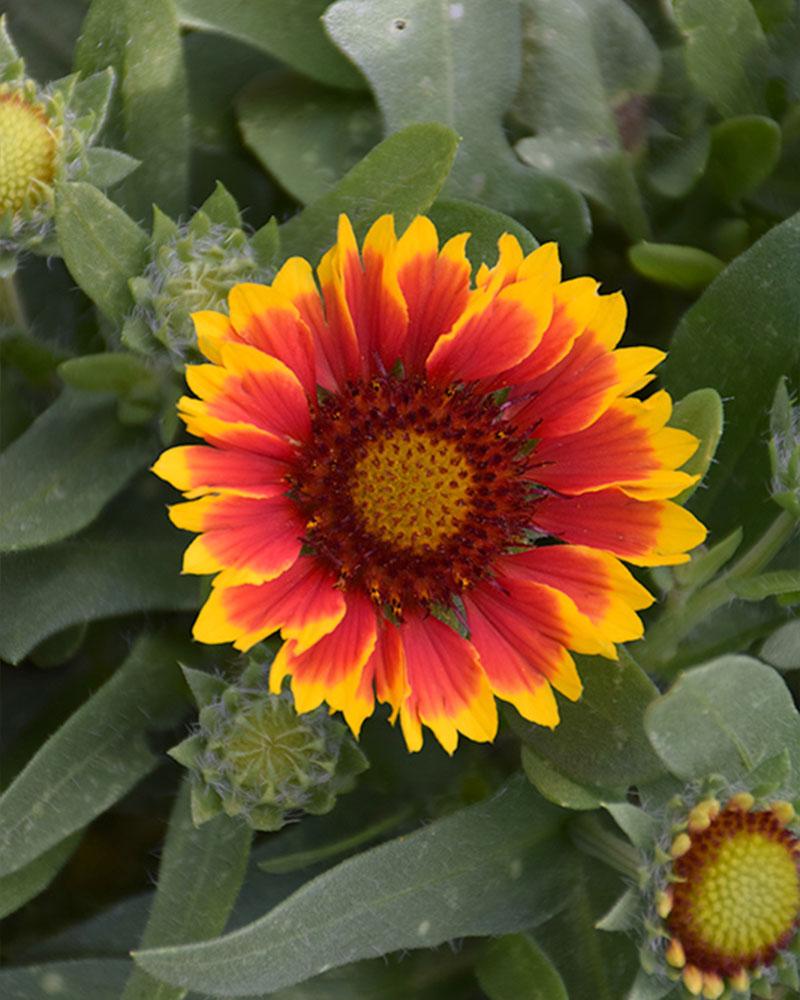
(252, 755)
(784, 450)
(192, 267)
(720, 899)
(45, 135)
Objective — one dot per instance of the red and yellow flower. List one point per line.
(392, 455)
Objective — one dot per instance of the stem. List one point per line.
(685, 613)
(593, 838)
(765, 549)
(12, 312)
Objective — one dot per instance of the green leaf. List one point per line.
(701, 414)
(675, 266)
(107, 167)
(554, 786)
(36, 359)
(25, 883)
(119, 566)
(624, 915)
(726, 53)
(639, 827)
(57, 476)
(757, 588)
(514, 967)
(95, 758)
(583, 63)
(402, 175)
(725, 717)
(492, 868)
(107, 372)
(593, 963)
(72, 980)
(101, 245)
(199, 878)
(771, 775)
(150, 116)
(744, 152)
(9, 56)
(782, 649)
(286, 29)
(676, 163)
(307, 136)
(221, 208)
(600, 742)
(266, 243)
(90, 102)
(289, 861)
(714, 345)
(59, 647)
(459, 64)
(451, 216)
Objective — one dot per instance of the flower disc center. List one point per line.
(738, 900)
(27, 152)
(412, 490)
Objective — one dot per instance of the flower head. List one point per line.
(730, 897)
(391, 457)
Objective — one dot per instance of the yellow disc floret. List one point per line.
(412, 490)
(734, 901)
(748, 896)
(27, 151)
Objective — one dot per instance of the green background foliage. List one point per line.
(660, 145)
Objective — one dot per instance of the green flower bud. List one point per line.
(45, 139)
(784, 450)
(252, 755)
(192, 267)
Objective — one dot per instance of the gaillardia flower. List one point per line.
(391, 459)
(730, 902)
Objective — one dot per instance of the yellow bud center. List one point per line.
(27, 152)
(748, 896)
(412, 490)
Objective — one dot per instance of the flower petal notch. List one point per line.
(427, 481)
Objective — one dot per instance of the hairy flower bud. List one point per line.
(252, 755)
(192, 267)
(784, 450)
(45, 139)
(721, 893)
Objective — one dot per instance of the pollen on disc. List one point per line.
(412, 490)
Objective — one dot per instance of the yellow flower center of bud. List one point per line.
(412, 490)
(27, 152)
(736, 898)
(748, 896)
